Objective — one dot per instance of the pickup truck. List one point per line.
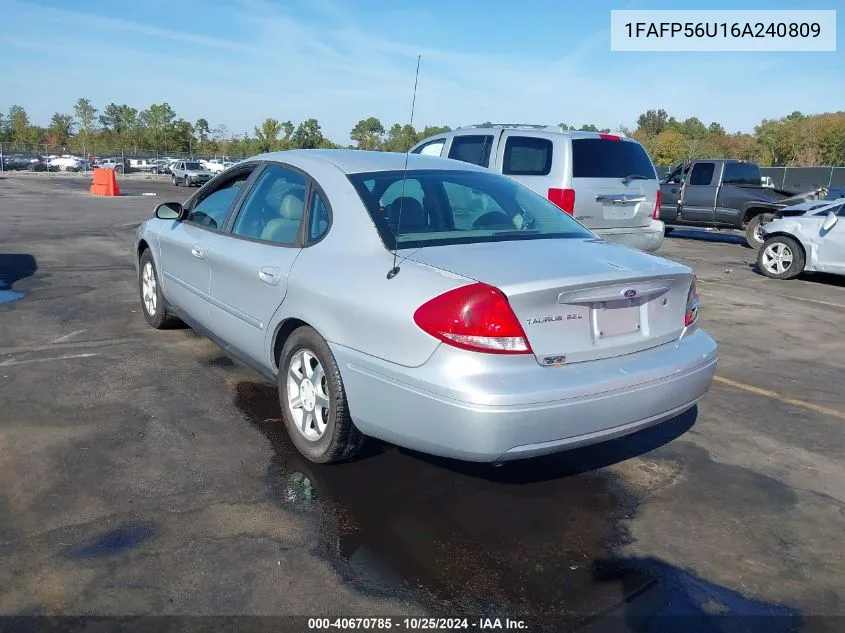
(724, 194)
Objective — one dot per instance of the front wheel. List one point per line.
(754, 235)
(781, 257)
(152, 300)
(173, 180)
(313, 400)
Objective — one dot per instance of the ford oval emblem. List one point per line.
(630, 293)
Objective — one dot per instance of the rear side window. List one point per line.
(702, 174)
(527, 156)
(472, 149)
(741, 174)
(607, 158)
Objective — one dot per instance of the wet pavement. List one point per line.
(145, 472)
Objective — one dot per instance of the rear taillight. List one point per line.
(476, 317)
(609, 137)
(564, 198)
(657, 203)
(693, 303)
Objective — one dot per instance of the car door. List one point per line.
(698, 195)
(186, 246)
(670, 189)
(831, 253)
(250, 263)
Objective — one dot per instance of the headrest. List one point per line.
(413, 215)
(293, 205)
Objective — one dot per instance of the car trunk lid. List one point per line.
(577, 300)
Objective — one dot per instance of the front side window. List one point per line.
(432, 148)
(273, 209)
(527, 156)
(211, 209)
(460, 207)
(472, 149)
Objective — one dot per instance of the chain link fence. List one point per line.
(45, 158)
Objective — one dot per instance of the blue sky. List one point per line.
(239, 61)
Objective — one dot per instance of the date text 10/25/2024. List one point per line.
(417, 624)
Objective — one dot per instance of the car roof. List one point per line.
(353, 161)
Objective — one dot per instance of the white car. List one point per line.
(217, 165)
(806, 237)
(69, 163)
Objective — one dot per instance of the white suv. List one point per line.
(605, 181)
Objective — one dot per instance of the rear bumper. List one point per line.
(644, 238)
(479, 409)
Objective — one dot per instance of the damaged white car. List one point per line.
(806, 237)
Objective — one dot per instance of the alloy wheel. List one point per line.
(148, 289)
(307, 396)
(777, 258)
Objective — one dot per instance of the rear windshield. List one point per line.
(741, 174)
(606, 158)
(193, 166)
(440, 207)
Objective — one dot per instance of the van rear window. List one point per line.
(606, 158)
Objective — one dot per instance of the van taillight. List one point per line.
(657, 203)
(564, 198)
(609, 137)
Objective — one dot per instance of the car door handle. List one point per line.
(269, 275)
(196, 251)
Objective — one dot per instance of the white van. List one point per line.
(605, 181)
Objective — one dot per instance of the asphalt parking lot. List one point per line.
(144, 472)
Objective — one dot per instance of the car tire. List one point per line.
(153, 304)
(339, 439)
(781, 257)
(173, 180)
(753, 233)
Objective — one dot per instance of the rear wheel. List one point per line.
(781, 257)
(313, 400)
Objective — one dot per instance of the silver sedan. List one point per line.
(806, 237)
(440, 307)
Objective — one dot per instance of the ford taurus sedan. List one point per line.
(434, 305)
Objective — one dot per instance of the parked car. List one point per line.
(142, 164)
(726, 194)
(605, 181)
(189, 173)
(68, 162)
(38, 163)
(162, 166)
(358, 287)
(117, 164)
(218, 165)
(806, 237)
(767, 182)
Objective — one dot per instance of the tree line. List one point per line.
(794, 140)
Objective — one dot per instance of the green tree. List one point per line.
(652, 122)
(432, 130)
(19, 126)
(669, 148)
(716, 129)
(307, 135)
(367, 133)
(400, 138)
(159, 121)
(268, 134)
(202, 130)
(86, 116)
(60, 129)
(589, 127)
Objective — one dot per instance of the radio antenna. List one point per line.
(395, 269)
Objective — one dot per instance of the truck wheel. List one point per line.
(754, 236)
(781, 257)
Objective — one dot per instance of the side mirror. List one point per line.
(170, 211)
(830, 221)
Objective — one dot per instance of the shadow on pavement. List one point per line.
(707, 236)
(13, 268)
(534, 539)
